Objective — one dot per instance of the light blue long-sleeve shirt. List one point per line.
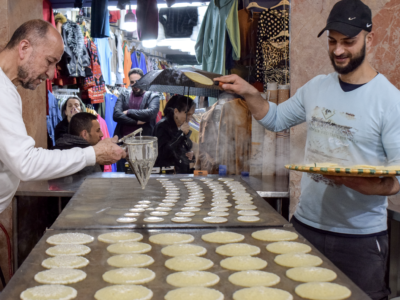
(348, 128)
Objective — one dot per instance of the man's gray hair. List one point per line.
(33, 31)
(136, 71)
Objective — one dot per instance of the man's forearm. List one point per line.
(258, 106)
(391, 186)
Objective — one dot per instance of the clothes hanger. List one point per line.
(282, 3)
(255, 5)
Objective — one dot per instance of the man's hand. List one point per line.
(234, 84)
(125, 112)
(185, 128)
(108, 152)
(190, 155)
(141, 122)
(369, 185)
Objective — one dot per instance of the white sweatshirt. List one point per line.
(19, 159)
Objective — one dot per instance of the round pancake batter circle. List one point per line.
(68, 250)
(186, 179)
(141, 206)
(218, 214)
(131, 214)
(254, 278)
(288, 247)
(195, 200)
(181, 219)
(124, 292)
(183, 249)
(206, 179)
(159, 213)
(192, 204)
(60, 276)
(126, 220)
(129, 247)
(171, 238)
(153, 219)
(65, 261)
(192, 278)
(215, 220)
(222, 237)
(190, 208)
(163, 209)
(184, 214)
(274, 235)
(129, 276)
(130, 260)
(243, 263)
(188, 263)
(166, 204)
(49, 292)
(169, 201)
(70, 238)
(136, 210)
(120, 236)
(310, 274)
(322, 291)
(221, 204)
(248, 212)
(245, 207)
(293, 260)
(238, 249)
(194, 293)
(144, 202)
(248, 219)
(262, 293)
(218, 208)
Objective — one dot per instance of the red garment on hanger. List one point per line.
(106, 134)
(115, 16)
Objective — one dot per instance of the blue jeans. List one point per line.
(362, 259)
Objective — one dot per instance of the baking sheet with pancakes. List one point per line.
(109, 199)
(342, 171)
(98, 256)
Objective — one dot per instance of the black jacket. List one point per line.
(61, 129)
(173, 145)
(75, 60)
(178, 22)
(147, 113)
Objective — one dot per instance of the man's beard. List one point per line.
(26, 82)
(137, 93)
(353, 64)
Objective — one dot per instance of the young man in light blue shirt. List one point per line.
(353, 118)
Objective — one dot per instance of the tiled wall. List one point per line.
(309, 56)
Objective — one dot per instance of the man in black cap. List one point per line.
(352, 118)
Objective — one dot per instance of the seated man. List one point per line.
(84, 131)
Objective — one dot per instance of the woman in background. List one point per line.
(173, 133)
(70, 107)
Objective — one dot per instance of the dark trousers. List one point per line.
(362, 259)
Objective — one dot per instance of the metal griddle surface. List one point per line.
(117, 195)
(23, 278)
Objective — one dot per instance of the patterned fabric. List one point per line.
(273, 52)
(94, 87)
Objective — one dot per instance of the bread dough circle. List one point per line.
(65, 261)
(130, 260)
(288, 247)
(243, 263)
(218, 214)
(248, 219)
(60, 276)
(238, 249)
(188, 263)
(124, 292)
(163, 209)
(195, 200)
(248, 212)
(274, 235)
(131, 214)
(209, 179)
(194, 293)
(222, 237)
(129, 276)
(190, 208)
(184, 214)
(215, 220)
(293, 260)
(166, 205)
(217, 208)
(310, 274)
(254, 278)
(153, 219)
(49, 292)
(141, 206)
(70, 238)
(192, 204)
(183, 249)
(222, 204)
(126, 220)
(172, 197)
(181, 219)
(245, 207)
(169, 201)
(171, 238)
(322, 291)
(68, 250)
(262, 293)
(129, 247)
(192, 278)
(159, 213)
(137, 210)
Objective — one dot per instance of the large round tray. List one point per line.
(341, 171)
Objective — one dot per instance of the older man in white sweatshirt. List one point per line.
(30, 58)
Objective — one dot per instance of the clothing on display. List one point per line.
(120, 58)
(147, 19)
(139, 61)
(105, 55)
(127, 65)
(273, 47)
(248, 24)
(54, 116)
(178, 22)
(114, 57)
(100, 25)
(210, 45)
(114, 16)
(134, 103)
(110, 101)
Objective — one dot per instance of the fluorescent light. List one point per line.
(149, 43)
